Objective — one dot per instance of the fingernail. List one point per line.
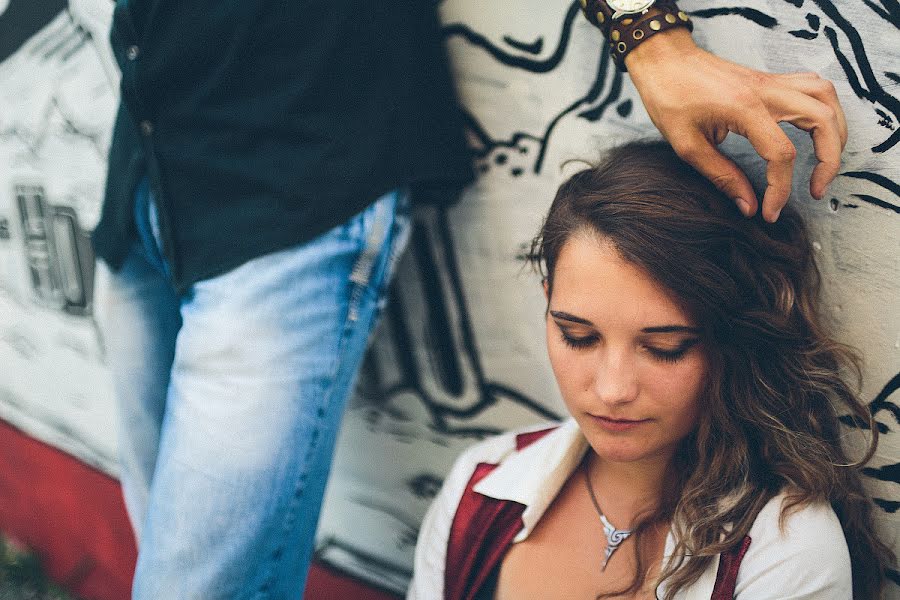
(744, 206)
(776, 215)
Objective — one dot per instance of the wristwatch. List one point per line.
(627, 23)
(620, 8)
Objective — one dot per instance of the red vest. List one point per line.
(484, 528)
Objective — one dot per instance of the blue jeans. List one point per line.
(231, 397)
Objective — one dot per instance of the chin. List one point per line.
(622, 452)
(628, 449)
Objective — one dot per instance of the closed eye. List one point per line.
(575, 341)
(672, 354)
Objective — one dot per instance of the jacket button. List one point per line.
(132, 52)
(146, 128)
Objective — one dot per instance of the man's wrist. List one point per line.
(663, 46)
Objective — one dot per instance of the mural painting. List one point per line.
(57, 87)
(459, 354)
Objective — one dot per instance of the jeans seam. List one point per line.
(358, 286)
(290, 519)
(327, 398)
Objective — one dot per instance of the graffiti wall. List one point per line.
(57, 84)
(460, 352)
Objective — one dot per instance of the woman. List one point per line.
(703, 458)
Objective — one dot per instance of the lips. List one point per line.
(618, 425)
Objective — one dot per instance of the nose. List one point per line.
(615, 379)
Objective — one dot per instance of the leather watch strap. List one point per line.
(629, 31)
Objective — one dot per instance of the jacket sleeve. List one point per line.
(807, 559)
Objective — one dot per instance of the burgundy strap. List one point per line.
(483, 530)
(726, 577)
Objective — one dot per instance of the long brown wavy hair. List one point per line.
(777, 382)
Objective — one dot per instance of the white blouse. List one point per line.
(807, 560)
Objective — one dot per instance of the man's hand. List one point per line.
(695, 98)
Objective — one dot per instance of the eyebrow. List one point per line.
(655, 329)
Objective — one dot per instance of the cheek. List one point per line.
(570, 368)
(681, 388)
(555, 349)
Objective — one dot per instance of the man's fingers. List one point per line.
(829, 159)
(777, 150)
(719, 169)
(828, 152)
(823, 91)
(821, 121)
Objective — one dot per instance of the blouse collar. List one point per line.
(534, 475)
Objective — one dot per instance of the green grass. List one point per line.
(22, 578)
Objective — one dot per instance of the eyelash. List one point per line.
(670, 356)
(578, 342)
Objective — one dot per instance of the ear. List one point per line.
(545, 282)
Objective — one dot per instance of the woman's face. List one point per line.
(626, 356)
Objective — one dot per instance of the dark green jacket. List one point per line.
(263, 123)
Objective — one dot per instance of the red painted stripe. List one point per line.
(324, 583)
(73, 516)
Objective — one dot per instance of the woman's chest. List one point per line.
(563, 558)
(570, 572)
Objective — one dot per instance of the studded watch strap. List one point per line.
(628, 32)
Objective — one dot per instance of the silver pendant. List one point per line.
(614, 538)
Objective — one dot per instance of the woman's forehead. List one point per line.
(592, 278)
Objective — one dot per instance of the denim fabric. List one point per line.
(231, 397)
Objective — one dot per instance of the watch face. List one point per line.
(630, 6)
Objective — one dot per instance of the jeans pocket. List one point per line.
(146, 219)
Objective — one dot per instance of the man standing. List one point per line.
(260, 173)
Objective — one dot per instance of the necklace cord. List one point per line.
(614, 537)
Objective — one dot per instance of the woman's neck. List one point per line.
(626, 490)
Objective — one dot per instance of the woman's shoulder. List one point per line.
(799, 548)
(807, 526)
